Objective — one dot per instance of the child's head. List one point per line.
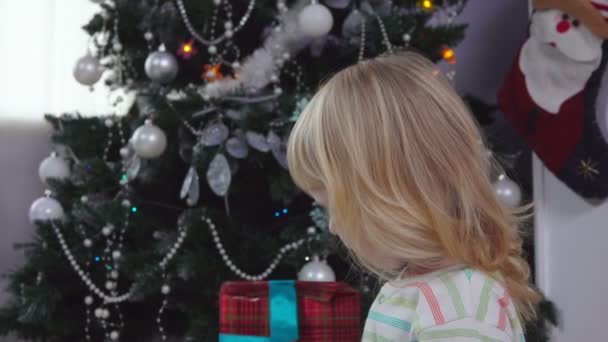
(399, 162)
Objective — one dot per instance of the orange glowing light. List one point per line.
(448, 55)
(212, 73)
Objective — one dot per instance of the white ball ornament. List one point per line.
(99, 312)
(114, 335)
(508, 192)
(165, 289)
(125, 152)
(116, 254)
(87, 243)
(53, 167)
(161, 67)
(315, 20)
(316, 270)
(46, 209)
(88, 300)
(87, 70)
(107, 230)
(149, 141)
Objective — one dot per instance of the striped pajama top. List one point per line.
(458, 304)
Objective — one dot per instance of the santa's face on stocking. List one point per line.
(558, 58)
(566, 34)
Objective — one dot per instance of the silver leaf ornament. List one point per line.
(257, 141)
(214, 134)
(274, 141)
(133, 167)
(190, 188)
(237, 148)
(219, 175)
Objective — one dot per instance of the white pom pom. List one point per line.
(315, 20)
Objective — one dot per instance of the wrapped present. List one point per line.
(285, 311)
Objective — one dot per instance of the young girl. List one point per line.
(392, 152)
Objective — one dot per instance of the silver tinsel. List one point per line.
(257, 69)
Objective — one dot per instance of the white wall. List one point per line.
(571, 253)
(39, 42)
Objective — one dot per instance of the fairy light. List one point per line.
(426, 5)
(187, 49)
(448, 55)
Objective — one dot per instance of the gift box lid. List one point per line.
(321, 291)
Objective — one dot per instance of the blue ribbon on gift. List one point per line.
(283, 315)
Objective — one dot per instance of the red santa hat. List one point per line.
(602, 6)
(592, 13)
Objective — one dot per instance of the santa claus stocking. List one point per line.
(549, 95)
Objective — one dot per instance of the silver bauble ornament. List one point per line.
(161, 67)
(53, 167)
(46, 209)
(508, 192)
(149, 141)
(316, 270)
(315, 20)
(87, 70)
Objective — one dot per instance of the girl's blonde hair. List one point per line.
(406, 173)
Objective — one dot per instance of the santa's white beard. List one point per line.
(552, 77)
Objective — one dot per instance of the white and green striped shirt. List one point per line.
(458, 304)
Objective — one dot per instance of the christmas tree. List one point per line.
(150, 208)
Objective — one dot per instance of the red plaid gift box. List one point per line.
(328, 312)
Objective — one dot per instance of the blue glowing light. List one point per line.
(285, 211)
